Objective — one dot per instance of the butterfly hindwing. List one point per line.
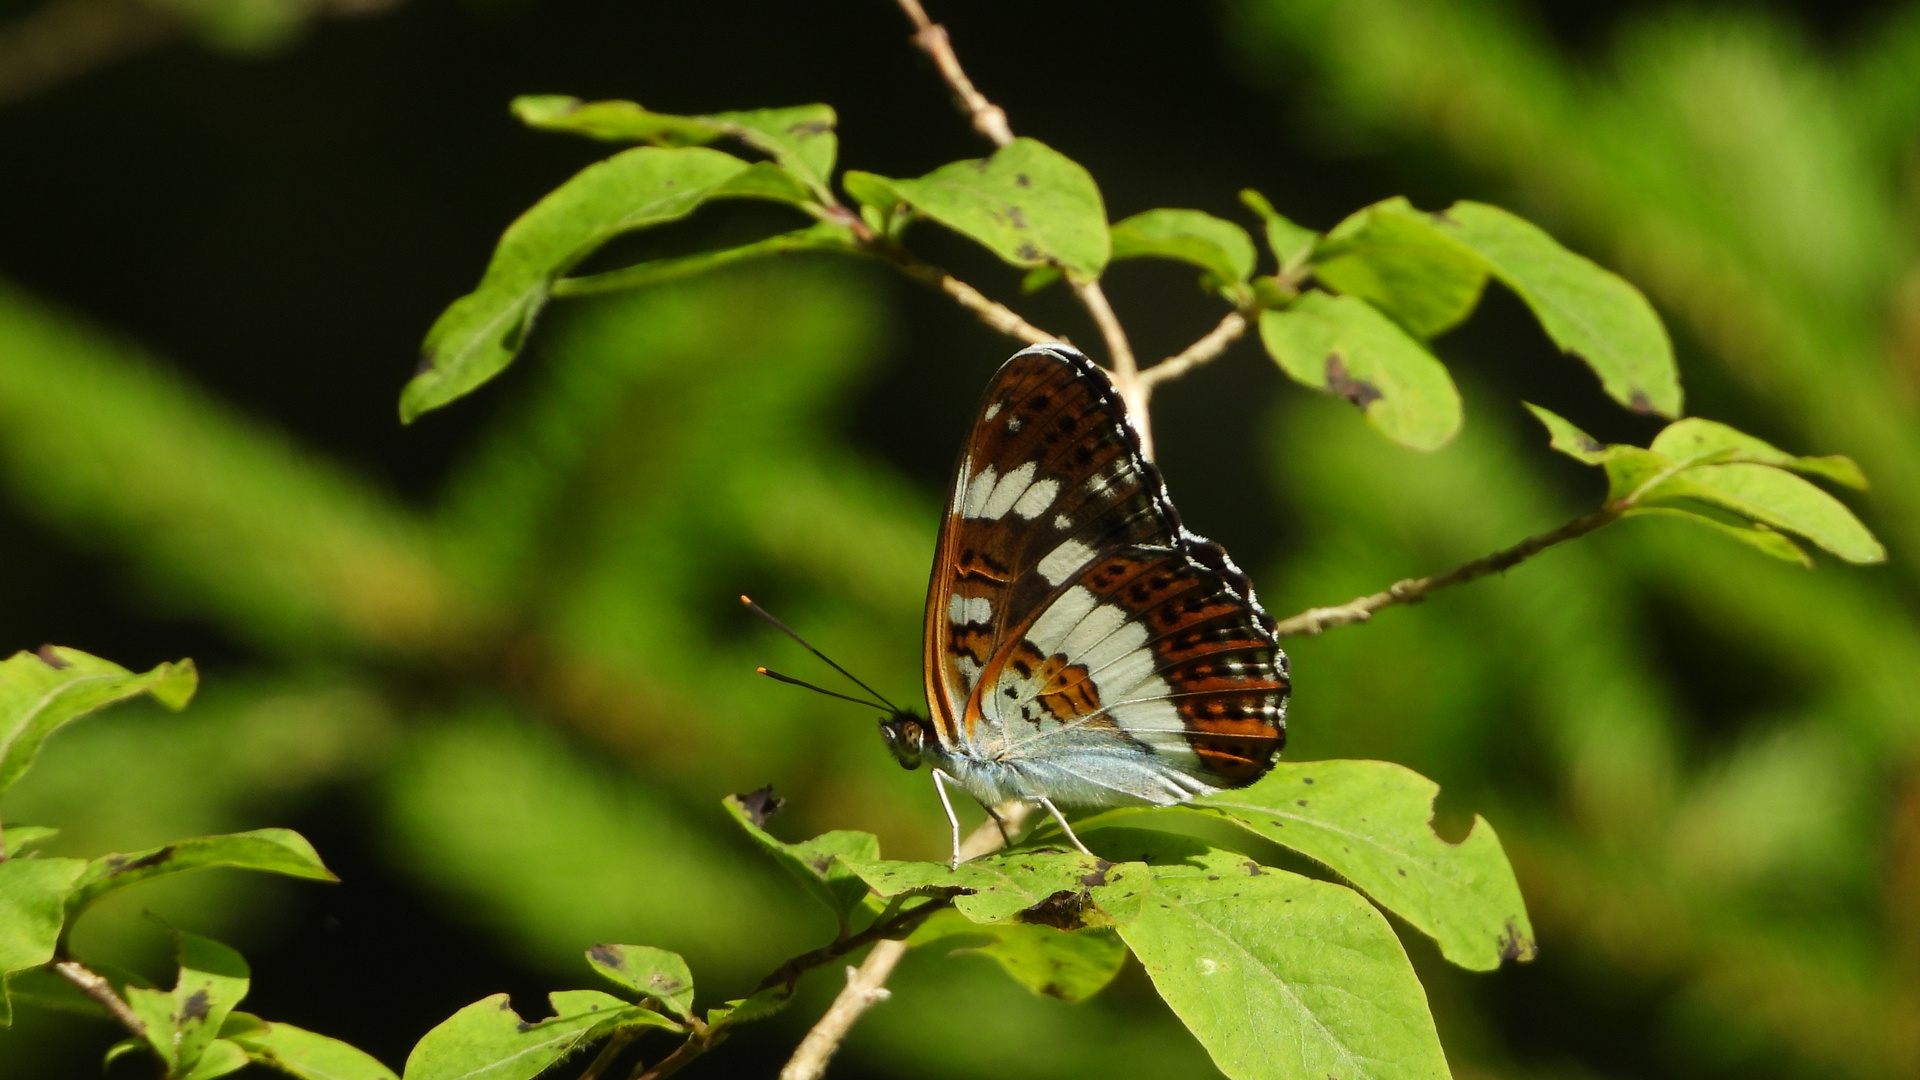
(1075, 629)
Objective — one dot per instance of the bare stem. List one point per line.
(607, 1053)
(1126, 371)
(1414, 590)
(988, 119)
(998, 316)
(1231, 329)
(99, 989)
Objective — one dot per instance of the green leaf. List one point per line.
(21, 837)
(822, 236)
(299, 1052)
(122, 1049)
(1587, 310)
(1758, 536)
(1779, 499)
(656, 973)
(1629, 468)
(1392, 256)
(1028, 204)
(748, 1009)
(487, 1040)
(1290, 243)
(40, 692)
(184, 1022)
(869, 190)
(1065, 890)
(273, 851)
(1071, 965)
(1279, 976)
(812, 862)
(218, 1059)
(1369, 821)
(1693, 437)
(33, 896)
(1221, 248)
(1343, 345)
(1570, 440)
(800, 139)
(476, 337)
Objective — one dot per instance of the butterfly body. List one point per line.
(1082, 647)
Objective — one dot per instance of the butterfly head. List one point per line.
(905, 734)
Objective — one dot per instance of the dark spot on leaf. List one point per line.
(607, 956)
(1299, 802)
(198, 1004)
(1064, 910)
(1021, 180)
(1028, 252)
(821, 864)
(809, 128)
(664, 984)
(1098, 876)
(425, 365)
(1403, 873)
(1254, 869)
(1053, 990)
(1213, 877)
(506, 1005)
(120, 864)
(50, 658)
(760, 805)
(1359, 391)
(523, 1027)
(1517, 946)
(1639, 402)
(1590, 444)
(1441, 217)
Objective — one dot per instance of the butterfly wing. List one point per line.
(1078, 636)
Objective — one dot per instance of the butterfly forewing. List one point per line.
(1073, 626)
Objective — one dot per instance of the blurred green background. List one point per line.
(492, 664)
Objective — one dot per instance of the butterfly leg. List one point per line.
(940, 782)
(1062, 819)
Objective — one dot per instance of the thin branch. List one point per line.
(1126, 371)
(997, 316)
(99, 989)
(897, 927)
(1414, 590)
(988, 119)
(607, 1053)
(1231, 329)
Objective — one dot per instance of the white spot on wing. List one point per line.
(1062, 522)
(969, 670)
(1036, 499)
(979, 489)
(969, 609)
(1061, 563)
(993, 410)
(1005, 493)
(1014, 424)
(1053, 625)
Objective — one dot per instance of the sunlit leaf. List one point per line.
(1629, 468)
(1221, 248)
(184, 1023)
(481, 332)
(1290, 243)
(1050, 888)
(1028, 204)
(216, 1059)
(1392, 256)
(1370, 822)
(487, 1040)
(1758, 536)
(811, 862)
(1279, 976)
(1342, 345)
(1587, 310)
(21, 838)
(40, 692)
(274, 851)
(1693, 437)
(1779, 499)
(656, 973)
(1071, 965)
(822, 236)
(299, 1052)
(801, 138)
(33, 896)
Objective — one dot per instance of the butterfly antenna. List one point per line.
(788, 630)
(776, 676)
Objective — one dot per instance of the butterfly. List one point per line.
(1082, 647)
